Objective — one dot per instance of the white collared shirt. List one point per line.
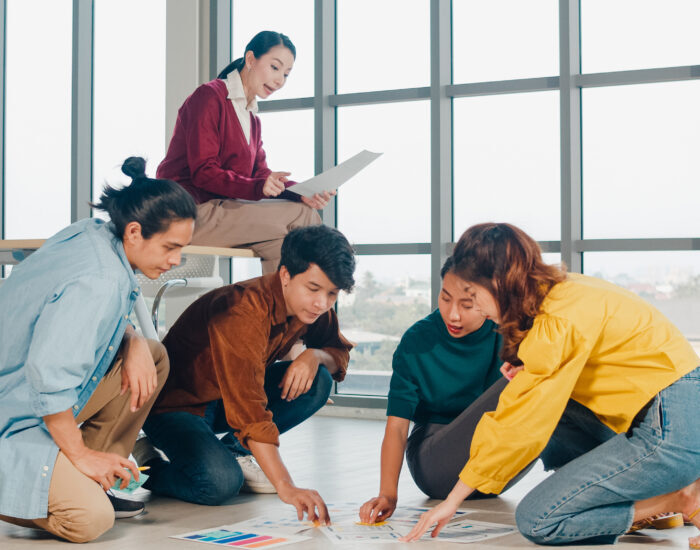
(236, 94)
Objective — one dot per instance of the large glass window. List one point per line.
(491, 41)
(668, 280)
(129, 87)
(506, 162)
(392, 293)
(296, 20)
(288, 140)
(382, 45)
(640, 147)
(389, 201)
(638, 34)
(37, 117)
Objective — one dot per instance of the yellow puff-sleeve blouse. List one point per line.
(593, 342)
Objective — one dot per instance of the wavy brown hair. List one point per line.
(508, 263)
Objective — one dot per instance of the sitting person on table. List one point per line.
(216, 154)
(76, 382)
(226, 377)
(606, 394)
(445, 377)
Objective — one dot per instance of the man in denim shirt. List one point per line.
(76, 382)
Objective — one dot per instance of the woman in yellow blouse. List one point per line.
(606, 393)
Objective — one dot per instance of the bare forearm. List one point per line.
(459, 492)
(65, 433)
(393, 448)
(326, 359)
(269, 459)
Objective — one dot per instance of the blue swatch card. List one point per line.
(133, 484)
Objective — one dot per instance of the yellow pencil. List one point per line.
(144, 468)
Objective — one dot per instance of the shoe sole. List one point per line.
(129, 514)
(667, 522)
(259, 489)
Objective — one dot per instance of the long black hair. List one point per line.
(153, 203)
(260, 44)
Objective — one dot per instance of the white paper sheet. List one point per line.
(472, 531)
(334, 177)
(345, 528)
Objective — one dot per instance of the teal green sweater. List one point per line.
(436, 376)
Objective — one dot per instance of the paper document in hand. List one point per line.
(334, 177)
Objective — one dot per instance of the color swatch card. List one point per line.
(227, 536)
(133, 484)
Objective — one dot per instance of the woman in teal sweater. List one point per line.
(446, 375)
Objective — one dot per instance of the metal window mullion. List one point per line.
(440, 139)
(82, 109)
(3, 10)
(639, 76)
(570, 132)
(637, 245)
(325, 136)
(220, 35)
(523, 85)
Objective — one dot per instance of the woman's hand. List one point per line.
(274, 184)
(509, 371)
(377, 509)
(441, 514)
(318, 201)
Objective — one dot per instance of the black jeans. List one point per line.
(436, 453)
(202, 468)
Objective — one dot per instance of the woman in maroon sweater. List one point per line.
(216, 154)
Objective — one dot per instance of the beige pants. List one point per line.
(79, 510)
(260, 226)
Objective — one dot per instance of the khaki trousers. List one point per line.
(258, 226)
(79, 510)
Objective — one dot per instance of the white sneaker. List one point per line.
(144, 451)
(255, 479)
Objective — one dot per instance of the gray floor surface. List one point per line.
(339, 457)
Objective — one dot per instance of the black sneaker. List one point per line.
(124, 508)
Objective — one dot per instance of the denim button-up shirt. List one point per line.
(63, 313)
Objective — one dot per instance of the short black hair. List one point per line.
(448, 266)
(321, 245)
(153, 203)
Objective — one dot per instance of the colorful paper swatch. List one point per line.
(133, 484)
(224, 536)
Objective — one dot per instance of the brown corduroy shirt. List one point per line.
(221, 345)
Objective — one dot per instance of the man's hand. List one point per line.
(377, 509)
(319, 201)
(300, 375)
(306, 501)
(138, 371)
(274, 184)
(105, 468)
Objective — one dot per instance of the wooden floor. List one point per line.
(339, 457)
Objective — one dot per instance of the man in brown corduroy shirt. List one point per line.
(226, 377)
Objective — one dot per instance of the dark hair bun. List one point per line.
(134, 167)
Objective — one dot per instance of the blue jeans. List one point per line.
(202, 468)
(600, 474)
